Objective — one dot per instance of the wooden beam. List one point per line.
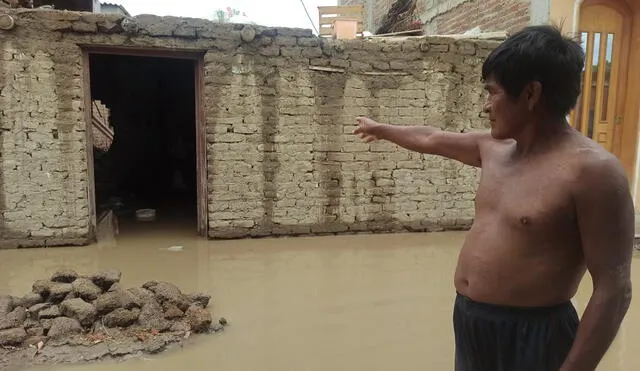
(326, 69)
(399, 33)
(201, 149)
(328, 31)
(328, 14)
(102, 128)
(193, 54)
(381, 73)
(341, 10)
(91, 179)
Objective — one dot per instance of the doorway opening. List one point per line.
(146, 160)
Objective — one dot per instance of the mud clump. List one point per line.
(121, 318)
(64, 276)
(5, 305)
(14, 336)
(26, 301)
(79, 310)
(85, 289)
(13, 319)
(63, 326)
(106, 279)
(70, 318)
(198, 319)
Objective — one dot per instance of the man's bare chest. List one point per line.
(526, 198)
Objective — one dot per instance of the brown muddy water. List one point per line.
(366, 302)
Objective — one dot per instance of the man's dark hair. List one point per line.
(543, 54)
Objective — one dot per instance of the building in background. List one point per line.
(113, 8)
(83, 6)
(79, 5)
(456, 16)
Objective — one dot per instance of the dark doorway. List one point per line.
(150, 158)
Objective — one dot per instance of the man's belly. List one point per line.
(514, 275)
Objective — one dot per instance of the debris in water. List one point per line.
(38, 347)
(172, 248)
(146, 215)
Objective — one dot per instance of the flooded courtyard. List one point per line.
(365, 302)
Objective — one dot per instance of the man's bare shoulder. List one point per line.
(605, 212)
(595, 168)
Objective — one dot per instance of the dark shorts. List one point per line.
(500, 338)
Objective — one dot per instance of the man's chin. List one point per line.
(496, 134)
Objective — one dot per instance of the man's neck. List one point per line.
(539, 135)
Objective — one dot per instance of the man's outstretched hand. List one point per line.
(366, 129)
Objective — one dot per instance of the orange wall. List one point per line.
(561, 11)
(629, 146)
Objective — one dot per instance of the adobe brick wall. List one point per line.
(444, 17)
(281, 157)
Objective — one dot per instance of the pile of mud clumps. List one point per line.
(71, 318)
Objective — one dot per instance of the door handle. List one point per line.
(618, 120)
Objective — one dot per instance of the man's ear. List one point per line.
(533, 94)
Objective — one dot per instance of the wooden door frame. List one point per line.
(197, 56)
(622, 72)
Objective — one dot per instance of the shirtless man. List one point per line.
(551, 204)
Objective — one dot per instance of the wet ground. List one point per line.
(368, 302)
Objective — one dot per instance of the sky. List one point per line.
(287, 13)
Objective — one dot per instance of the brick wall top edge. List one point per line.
(145, 24)
(422, 43)
(45, 21)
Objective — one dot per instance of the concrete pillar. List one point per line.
(368, 16)
(539, 10)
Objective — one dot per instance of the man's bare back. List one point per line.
(551, 205)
